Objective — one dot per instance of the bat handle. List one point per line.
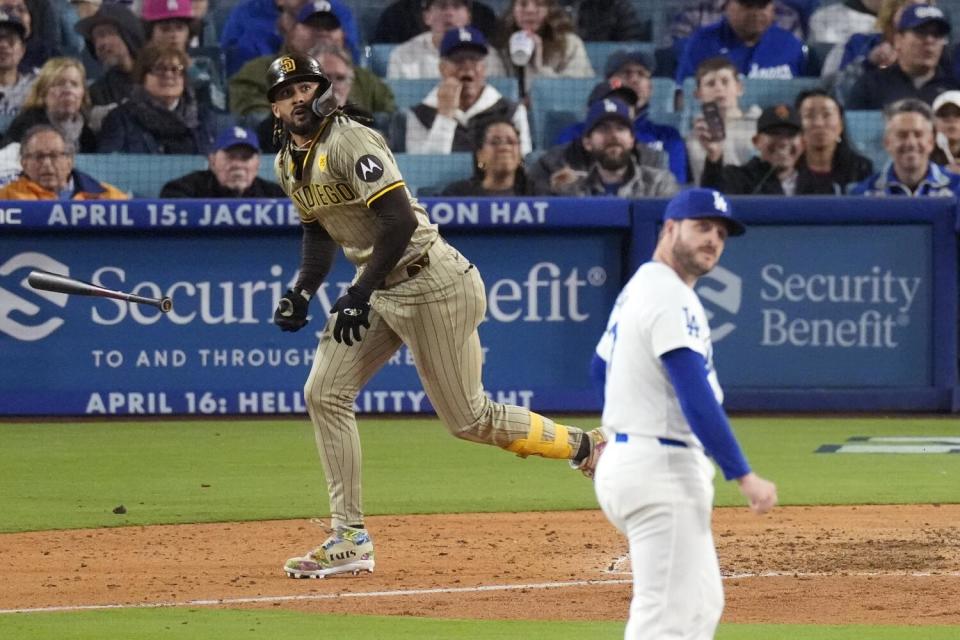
(166, 304)
(285, 307)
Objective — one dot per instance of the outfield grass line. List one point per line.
(319, 596)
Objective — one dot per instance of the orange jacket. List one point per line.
(85, 187)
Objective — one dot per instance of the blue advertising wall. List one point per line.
(833, 303)
(825, 304)
(549, 279)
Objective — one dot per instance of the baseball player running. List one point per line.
(411, 288)
(662, 417)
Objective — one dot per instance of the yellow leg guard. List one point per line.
(535, 445)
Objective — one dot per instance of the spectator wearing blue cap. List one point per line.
(571, 156)
(919, 43)
(419, 57)
(748, 36)
(462, 100)
(634, 69)
(311, 37)
(258, 28)
(232, 171)
(908, 138)
(609, 140)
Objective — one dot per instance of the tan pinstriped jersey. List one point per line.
(347, 167)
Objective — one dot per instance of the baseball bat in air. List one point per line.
(63, 284)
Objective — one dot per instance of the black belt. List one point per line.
(667, 442)
(409, 271)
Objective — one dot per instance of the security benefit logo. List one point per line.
(721, 292)
(806, 308)
(20, 317)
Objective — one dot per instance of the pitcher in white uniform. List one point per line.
(662, 417)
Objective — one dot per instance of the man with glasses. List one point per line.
(463, 99)
(49, 173)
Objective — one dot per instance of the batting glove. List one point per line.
(291, 312)
(353, 312)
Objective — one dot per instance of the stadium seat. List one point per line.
(376, 57)
(143, 175)
(428, 174)
(865, 131)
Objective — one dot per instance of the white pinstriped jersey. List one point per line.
(655, 313)
(347, 167)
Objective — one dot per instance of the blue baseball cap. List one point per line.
(237, 137)
(699, 203)
(463, 38)
(919, 15)
(620, 57)
(610, 108)
(336, 12)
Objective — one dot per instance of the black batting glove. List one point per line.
(353, 312)
(291, 312)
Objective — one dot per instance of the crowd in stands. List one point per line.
(663, 109)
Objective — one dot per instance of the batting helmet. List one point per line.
(294, 68)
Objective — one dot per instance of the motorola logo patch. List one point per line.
(369, 168)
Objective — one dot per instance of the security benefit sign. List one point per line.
(828, 307)
(218, 351)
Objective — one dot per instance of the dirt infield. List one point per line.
(877, 565)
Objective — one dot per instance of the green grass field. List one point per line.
(61, 475)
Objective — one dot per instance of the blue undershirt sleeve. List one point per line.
(598, 373)
(688, 374)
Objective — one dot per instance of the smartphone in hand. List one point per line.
(714, 120)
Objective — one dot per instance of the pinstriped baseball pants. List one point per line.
(436, 315)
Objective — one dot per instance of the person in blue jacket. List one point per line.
(748, 36)
(252, 28)
(633, 69)
(908, 139)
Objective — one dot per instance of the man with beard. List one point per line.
(411, 288)
(609, 140)
(908, 138)
(463, 99)
(663, 416)
(234, 165)
(774, 171)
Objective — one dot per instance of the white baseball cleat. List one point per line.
(348, 550)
